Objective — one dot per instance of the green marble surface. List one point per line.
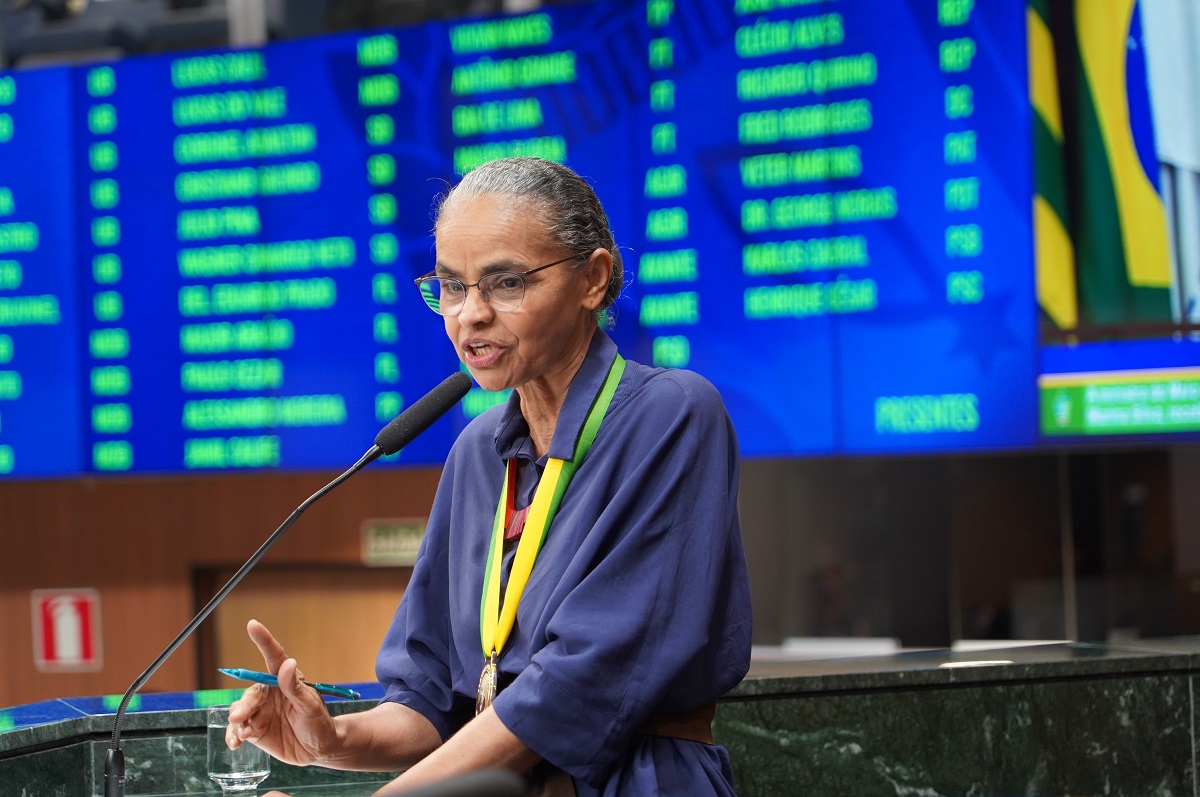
(1060, 719)
(165, 754)
(1077, 719)
(1097, 736)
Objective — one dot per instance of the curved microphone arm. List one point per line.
(401, 431)
(114, 760)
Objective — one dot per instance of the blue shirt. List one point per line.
(639, 602)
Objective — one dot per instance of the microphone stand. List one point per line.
(114, 760)
(402, 430)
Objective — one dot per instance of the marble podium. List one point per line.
(1070, 718)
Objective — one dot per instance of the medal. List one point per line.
(487, 686)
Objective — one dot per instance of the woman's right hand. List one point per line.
(289, 721)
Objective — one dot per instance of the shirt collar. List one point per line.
(512, 432)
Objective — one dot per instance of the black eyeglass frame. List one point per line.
(431, 276)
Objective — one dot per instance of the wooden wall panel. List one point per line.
(352, 608)
(139, 541)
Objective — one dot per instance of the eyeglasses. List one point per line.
(503, 290)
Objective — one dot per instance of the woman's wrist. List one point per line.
(384, 738)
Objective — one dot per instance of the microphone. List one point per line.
(405, 427)
(396, 435)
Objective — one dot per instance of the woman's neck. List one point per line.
(541, 407)
(542, 400)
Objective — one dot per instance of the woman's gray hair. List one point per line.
(569, 208)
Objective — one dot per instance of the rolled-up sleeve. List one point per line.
(414, 661)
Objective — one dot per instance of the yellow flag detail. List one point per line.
(1103, 29)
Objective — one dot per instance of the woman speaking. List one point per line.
(580, 600)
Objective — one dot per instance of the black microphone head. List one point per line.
(405, 427)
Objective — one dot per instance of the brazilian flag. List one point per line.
(1103, 254)
(1054, 253)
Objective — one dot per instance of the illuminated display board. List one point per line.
(249, 236)
(41, 417)
(837, 220)
(823, 207)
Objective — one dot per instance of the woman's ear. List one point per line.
(597, 273)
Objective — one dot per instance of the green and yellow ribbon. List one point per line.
(496, 623)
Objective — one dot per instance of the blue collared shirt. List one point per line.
(639, 602)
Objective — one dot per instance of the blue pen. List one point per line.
(271, 680)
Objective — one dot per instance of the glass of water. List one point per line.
(235, 771)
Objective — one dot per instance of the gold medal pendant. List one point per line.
(486, 692)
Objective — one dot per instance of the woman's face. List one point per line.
(548, 334)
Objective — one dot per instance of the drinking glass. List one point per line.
(235, 771)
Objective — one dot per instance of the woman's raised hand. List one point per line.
(289, 721)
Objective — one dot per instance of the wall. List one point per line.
(848, 547)
(930, 550)
(925, 549)
(138, 542)
(1185, 482)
